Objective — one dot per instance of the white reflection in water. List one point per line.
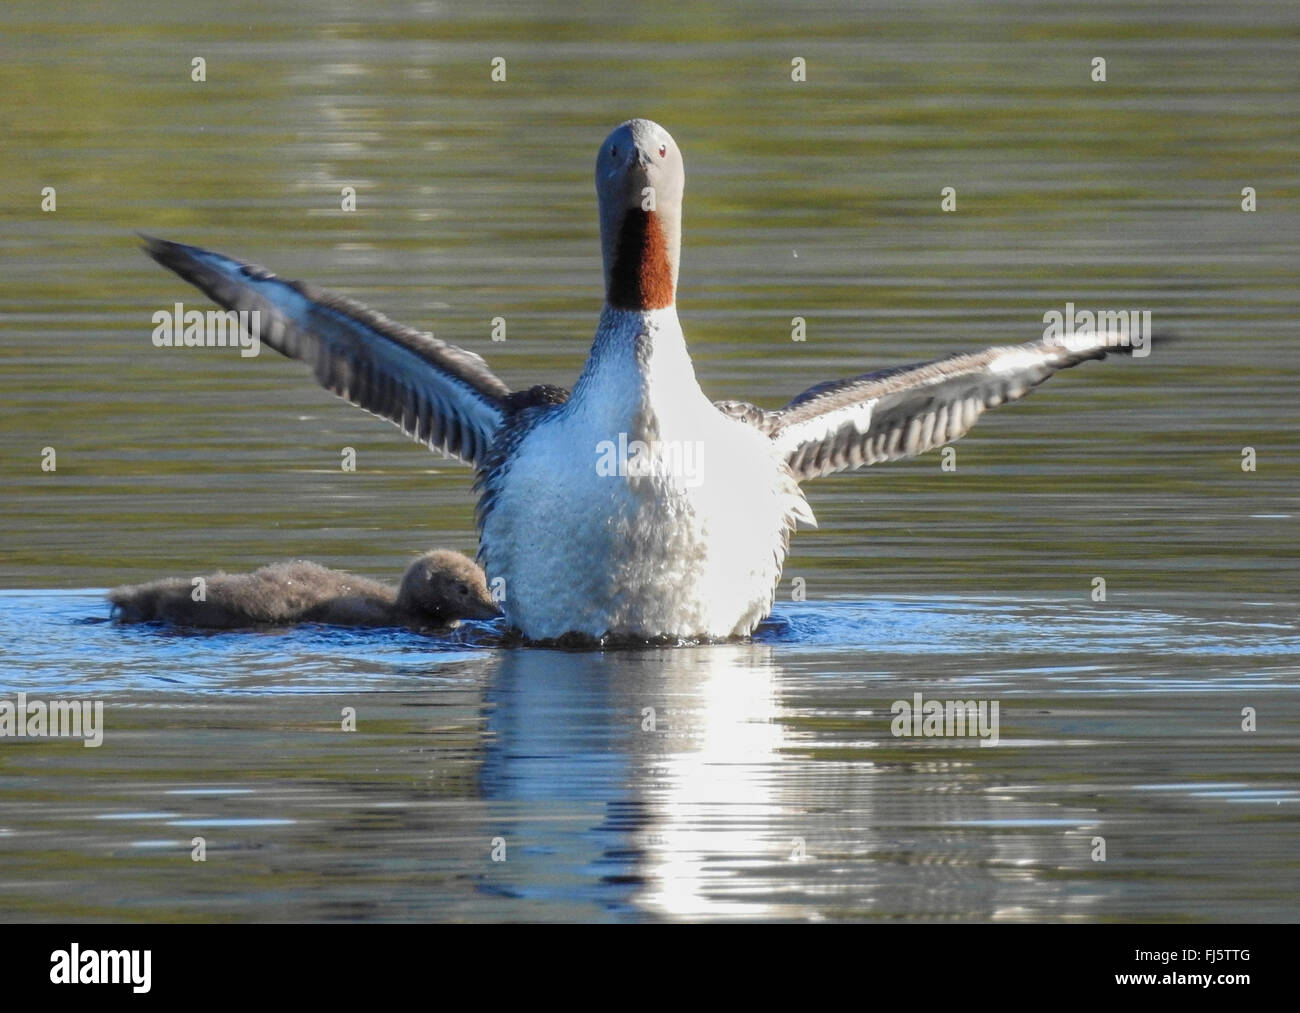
(662, 760)
(712, 789)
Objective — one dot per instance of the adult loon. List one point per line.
(634, 507)
(438, 589)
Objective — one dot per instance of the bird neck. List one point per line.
(641, 254)
(639, 371)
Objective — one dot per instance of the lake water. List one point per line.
(485, 781)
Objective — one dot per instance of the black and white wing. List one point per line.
(440, 395)
(903, 411)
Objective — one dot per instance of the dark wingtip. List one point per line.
(164, 251)
(1158, 339)
(184, 261)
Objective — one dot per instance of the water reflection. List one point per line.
(711, 781)
(669, 751)
(767, 786)
(696, 784)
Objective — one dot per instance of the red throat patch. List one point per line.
(642, 277)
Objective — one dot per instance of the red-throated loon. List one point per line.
(438, 589)
(634, 507)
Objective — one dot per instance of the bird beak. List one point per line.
(486, 609)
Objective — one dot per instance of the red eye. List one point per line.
(663, 150)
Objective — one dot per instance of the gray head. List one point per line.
(445, 585)
(639, 180)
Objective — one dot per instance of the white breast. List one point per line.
(639, 509)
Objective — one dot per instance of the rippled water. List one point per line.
(771, 785)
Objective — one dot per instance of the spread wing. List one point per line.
(903, 411)
(438, 394)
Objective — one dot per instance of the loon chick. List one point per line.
(438, 588)
(635, 507)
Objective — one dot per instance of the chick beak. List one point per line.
(484, 607)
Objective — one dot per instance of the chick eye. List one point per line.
(613, 152)
(663, 150)
(462, 589)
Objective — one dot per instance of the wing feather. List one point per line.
(440, 395)
(904, 411)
